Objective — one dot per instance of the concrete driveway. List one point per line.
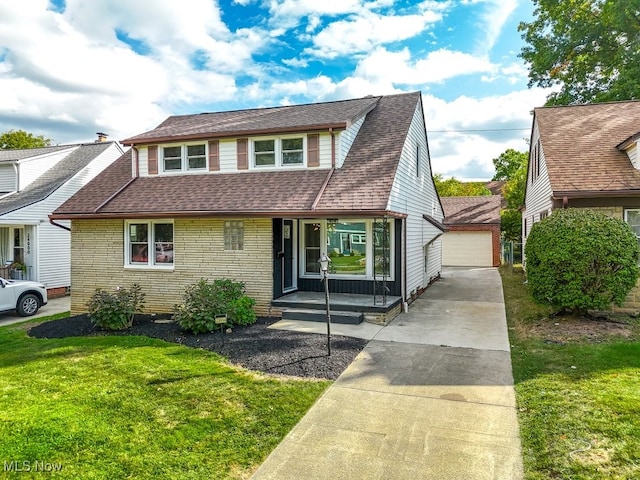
(55, 305)
(431, 396)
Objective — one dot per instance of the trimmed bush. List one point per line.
(115, 311)
(203, 300)
(581, 260)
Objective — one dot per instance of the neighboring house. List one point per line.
(257, 195)
(585, 156)
(34, 182)
(473, 231)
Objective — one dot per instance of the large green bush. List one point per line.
(580, 260)
(115, 311)
(204, 300)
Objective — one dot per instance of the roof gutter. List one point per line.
(631, 192)
(64, 227)
(227, 214)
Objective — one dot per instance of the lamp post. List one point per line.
(324, 268)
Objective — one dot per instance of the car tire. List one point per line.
(28, 305)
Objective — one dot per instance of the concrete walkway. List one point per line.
(430, 397)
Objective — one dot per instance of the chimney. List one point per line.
(102, 137)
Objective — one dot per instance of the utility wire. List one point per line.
(480, 130)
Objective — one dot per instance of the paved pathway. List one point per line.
(430, 397)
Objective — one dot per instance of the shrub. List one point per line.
(115, 311)
(203, 300)
(581, 259)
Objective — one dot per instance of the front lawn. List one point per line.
(133, 407)
(577, 389)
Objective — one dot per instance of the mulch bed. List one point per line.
(255, 347)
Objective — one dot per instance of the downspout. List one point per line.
(136, 173)
(333, 148)
(114, 195)
(53, 222)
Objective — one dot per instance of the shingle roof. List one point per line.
(579, 145)
(362, 185)
(22, 153)
(53, 178)
(255, 121)
(471, 210)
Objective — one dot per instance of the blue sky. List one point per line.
(70, 68)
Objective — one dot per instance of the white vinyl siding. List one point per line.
(48, 250)
(467, 249)
(7, 178)
(538, 193)
(633, 156)
(415, 195)
(346, 139)
(32, 168)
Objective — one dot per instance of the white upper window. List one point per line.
(278, 152)
(183, 158)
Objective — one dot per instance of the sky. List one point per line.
(71, 68)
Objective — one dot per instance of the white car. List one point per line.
(24, 296)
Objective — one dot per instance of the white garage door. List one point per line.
(467, 249)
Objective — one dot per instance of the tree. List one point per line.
(511, 166)
(587, 47)
(581, 260)
(452, 187)
(14, 139)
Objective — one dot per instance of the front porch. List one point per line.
(344, 307)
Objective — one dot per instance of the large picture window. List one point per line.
(278, 152)
(149, 243)
(355, 247)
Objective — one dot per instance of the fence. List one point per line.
(511, 253)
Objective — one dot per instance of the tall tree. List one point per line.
(452, 187)
(14, 139)
(590, 48)
(511, 166)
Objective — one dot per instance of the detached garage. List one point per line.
(472, 238)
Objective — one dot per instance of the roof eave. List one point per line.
(138, 140)
(559, 195)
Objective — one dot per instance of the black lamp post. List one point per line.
(324, 268)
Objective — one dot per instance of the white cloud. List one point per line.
(493, 20)
(364, 32)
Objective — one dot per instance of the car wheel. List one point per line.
(28, 305)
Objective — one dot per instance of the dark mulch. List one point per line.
(255, 347)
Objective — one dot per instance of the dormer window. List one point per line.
(184, 158)
(278, 152)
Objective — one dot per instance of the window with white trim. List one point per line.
(278, 152)
(149, 243)
(183, 158)
(632, 217)
(234, 235)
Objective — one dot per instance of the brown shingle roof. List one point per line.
(290, 118)
(362, 185)
(471, 210)
(579, 144)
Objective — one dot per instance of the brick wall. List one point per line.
(495, 236)
(97, 261)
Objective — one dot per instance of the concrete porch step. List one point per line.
(350, 318)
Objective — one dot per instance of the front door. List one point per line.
(289, 272)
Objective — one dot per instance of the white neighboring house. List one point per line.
(33, 183)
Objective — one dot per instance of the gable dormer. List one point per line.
(630, 147)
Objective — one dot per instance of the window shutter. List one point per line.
(153, 160)
(243, 161)
(214, 156)
(313, 150)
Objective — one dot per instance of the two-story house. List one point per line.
(585, 156)
(33, 183)
(257, 196)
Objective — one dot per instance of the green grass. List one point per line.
(116, 407)
(578, 401)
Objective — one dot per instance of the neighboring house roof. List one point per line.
(471, 210)
(22, 153)
(55, 177)
(362, 184)
(495, 186)
(261, 120)
(580, 143)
